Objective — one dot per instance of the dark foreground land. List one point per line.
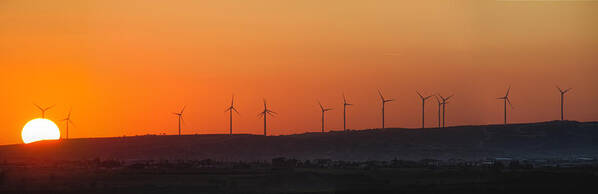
(268, 179)
(558, 156)
(547, 140)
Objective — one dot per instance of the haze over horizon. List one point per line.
(124, 67)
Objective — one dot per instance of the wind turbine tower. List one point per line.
(563, 100)
(384, 101)
(265, 113)
(345, 104)
(180, 116)
(444, 102)
(423, 104)
(506, 100)
(439, 107)
(68, 120)
(230, 109)
(323, 111)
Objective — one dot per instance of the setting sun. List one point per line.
(40, 129)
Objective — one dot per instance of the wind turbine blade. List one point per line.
(426, 98)
(437, 100)
(271, 113)
(509, 101)
(420, 95)
(508, 90)
(447, 98)
(380, 93)
(50, 107)
(442, 98)
(567, 90)
(232, 101)
(321, 107)
(344, 98)
(236, 110)
(39, 107)
(559, 88)
(260, 115)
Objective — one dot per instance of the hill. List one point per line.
(547, 140)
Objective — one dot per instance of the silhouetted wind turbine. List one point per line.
(68, 120)
(563, 99)
(439, 107)
(180, 116)
(506, 99)
(323, 111)
(345, 104)
(423, 104)
(230, 110)
(444, 102)
(384, 101)
(265, 113)
(43, 109)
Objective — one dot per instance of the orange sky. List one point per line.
(124, 67)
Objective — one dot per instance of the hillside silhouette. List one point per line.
(547, 140)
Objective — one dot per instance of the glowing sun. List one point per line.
(40, 129)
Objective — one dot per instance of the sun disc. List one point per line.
(40, 129)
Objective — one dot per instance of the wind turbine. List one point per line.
(265, 113)
(345, 104)
(444, 102)
(323, 111)
(439, 107)
(230, 110)
(384, 101)
(562, 99)
(180, 115)
(68, 120)
(506, 99)
(423, 104)
(43, 109)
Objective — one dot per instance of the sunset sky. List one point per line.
(125, 66)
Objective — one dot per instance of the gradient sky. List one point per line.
(125, 66)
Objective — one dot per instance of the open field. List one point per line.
(47, 179)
